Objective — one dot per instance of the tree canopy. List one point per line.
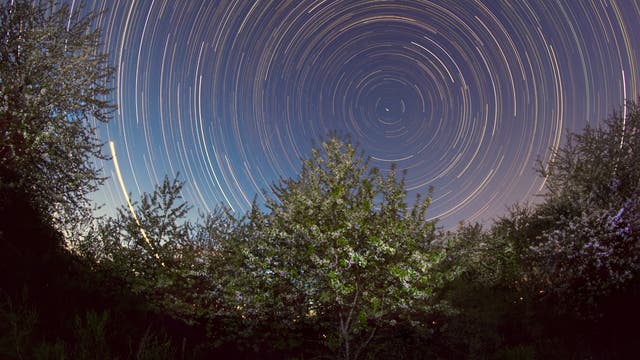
(53, 86)
(338, 244)
(590, 244)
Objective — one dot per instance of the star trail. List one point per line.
(464, 95)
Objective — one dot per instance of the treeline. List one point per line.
(336, 264)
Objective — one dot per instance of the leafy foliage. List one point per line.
(53, 83)
(339, 244)
(336, 264)
(561, 274)
(598, 167)
(151, 247)
(591, 248)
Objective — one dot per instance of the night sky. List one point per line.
(464, 95)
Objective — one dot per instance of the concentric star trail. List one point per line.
(464, 95)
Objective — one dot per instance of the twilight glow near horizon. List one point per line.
(464, 95)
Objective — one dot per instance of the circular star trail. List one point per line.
(464, 95)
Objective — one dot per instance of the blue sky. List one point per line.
(464, 95)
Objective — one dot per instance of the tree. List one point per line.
(151, 247)
(591, 249)
(599, 166)
(494, 295)
(53, 82)
(563, 271)
(341, 248)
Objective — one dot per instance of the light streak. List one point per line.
(129, 204)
